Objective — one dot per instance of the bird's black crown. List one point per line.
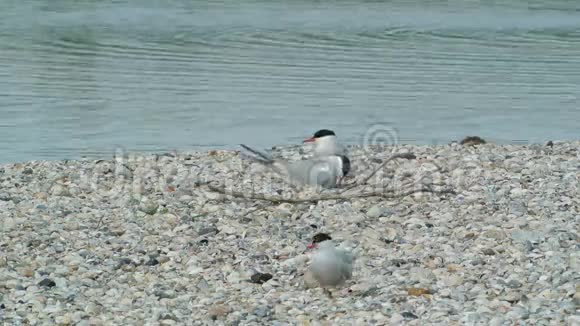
(324, 132)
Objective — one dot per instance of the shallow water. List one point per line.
(84, 78)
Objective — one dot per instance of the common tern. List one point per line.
(330, 266)
(325, 143)
(323, 171)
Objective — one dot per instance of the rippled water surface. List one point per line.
(82, 78)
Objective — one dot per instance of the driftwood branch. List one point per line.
(340, 195)
(389, 193)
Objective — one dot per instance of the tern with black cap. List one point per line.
(325, 143)
(330, 266)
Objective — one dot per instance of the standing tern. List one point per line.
(323, 171)
(330, 266)
(325, 143)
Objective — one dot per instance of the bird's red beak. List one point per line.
(311, 245)
(309, 140)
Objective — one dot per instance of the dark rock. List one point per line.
(262, 311)
(47, 283)
(34, 243)
(168, 316)
(429, 225)
(472, 141)
(28, 171)
(488, 252)
(261, 257)
(5, 197)
(164, 294)
(207, 230)
(204, 242)
(261, 278)
(41, 207)
(401, 262)
(152, 262)
(550, 144)
(319, 237)
(514, 284)
(124, 261)
(2, 306)
(409, 315)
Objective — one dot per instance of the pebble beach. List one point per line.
(141, 239)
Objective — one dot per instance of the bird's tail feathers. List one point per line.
(257, 155)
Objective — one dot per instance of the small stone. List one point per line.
(64, 320)
(27, 271)
(234, 277)
(284, 210)
(217, 311)
(390, 235)
(207, 230)
(494, 234)
(152, 261)
(124, 261)
(418, 291)
(163, 259)
(445, 293)
(193, 266)
(409, 315)
(47, 283)
(165, 294)
(168, 316)
(514, 284)
(319, 237)
(185, 198)
(376, 211)
(92, 309)
(309, 280)
(28, 171)
(396, 319)
(204, 242)
(5, 196)
(40, 195)
(260, 278)
(511, 297)
(262, 311)
(488, 252)
(149, 207)
(60, 190)
(453, 268)
(422, 275)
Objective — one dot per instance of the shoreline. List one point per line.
(136, 239)
(205, 149)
